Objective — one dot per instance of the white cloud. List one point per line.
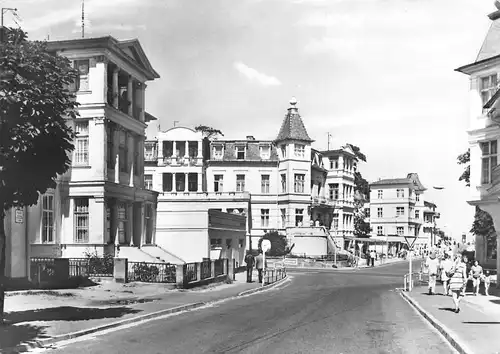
(256, 76)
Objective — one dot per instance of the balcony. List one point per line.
(182, 161)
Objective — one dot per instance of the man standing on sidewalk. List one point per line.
(259, 264)
(432, 265)
(372, 257)
(250, 261)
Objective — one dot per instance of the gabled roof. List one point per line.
(293, 127)
(411, 180)
(129, 51)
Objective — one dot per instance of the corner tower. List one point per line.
(294, 169)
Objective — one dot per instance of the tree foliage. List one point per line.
(279, 243)
(483, 226)
(361, 196)
(357, 152)
(464, 159)
(35, 140)
(208, 132)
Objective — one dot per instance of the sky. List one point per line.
(378, 74)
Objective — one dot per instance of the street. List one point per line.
(317, 312)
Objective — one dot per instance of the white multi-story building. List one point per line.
(101, 200)
(484, 134)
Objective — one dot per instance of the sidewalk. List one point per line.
(474, 330)
(35, 318)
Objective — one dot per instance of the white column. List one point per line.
(153, 223)
(200, 151)
(116, 139)
(200, 183)
(143, 102)
(130, 96)
(174, 148)
(160, 150)
(130, 223)
(186, 148)
(143, 223)
(130, 158)
(174, 178)
(116, 90)
(185, 182)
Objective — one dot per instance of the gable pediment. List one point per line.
(133, 49)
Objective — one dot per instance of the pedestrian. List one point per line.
(465, 260)
(487, 282)
(446, 265)
(372, 257)
(476, 272)
(250, 261)
(432, 264)
(458, 280)
(259, 264)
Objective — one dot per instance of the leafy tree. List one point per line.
(361, 196)
(483, 226)
(279, 243)
(208, 132)
(35, 141)
(464, 159)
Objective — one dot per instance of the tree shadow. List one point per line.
(447, 309)
(495, 301)
(11, 336)
(68, 313)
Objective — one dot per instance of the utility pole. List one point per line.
(328, 141)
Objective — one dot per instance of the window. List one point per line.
(299, 183)
(283, 218)
(333, 191)
(217, 152)
(81, 212)
(400, 193)
(488, 160)
(400, 230)
(488, 86)
(380, 194)
(240, 152)
(380, 230)
(180, 182)
(167, 182)
(417, 197)
(149, 151)
(283, 183)
(334, 163)
(82, 143)
(123, 151)
(148, 181)
(82, 80)
(380, 213)
(299, 217)
(264, 184)
(335, 221)
(265, 152)
(400, 211)
(110, 158)
(299, 150)
(417, 214)
(215, 243)
(108, 221)
(122, 222)
(264, 217)
(240, 183)
(47, 218)
(192, 182)
(218, 183)
(283, 151)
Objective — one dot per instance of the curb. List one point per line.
(450, 337)
(49, 341)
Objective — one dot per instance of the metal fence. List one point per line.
(42, 269)
(151, 272)
(191, 272)
(91, 267)
(206, 269)
(272, 275)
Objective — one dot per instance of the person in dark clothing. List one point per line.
(250, 261)
(259, 264)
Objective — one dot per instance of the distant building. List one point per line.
(397, 210)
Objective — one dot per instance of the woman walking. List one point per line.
(476, 273)
(458, 279)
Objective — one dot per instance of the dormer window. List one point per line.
(300, 150)
(265, 152)
(488, 86)
(218, 152)
(240, 152)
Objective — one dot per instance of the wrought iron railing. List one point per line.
(42, 269)
(151, 272)
(273, 275)
(219, 267)
(206, 270)
(191, 272)
(91, 267)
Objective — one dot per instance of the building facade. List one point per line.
(484, 134)
(101, 201)
(396, 211)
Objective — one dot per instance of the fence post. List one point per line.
(120, 270)
(61, 268)
(198, 270)
(212, 268)
(180, 278)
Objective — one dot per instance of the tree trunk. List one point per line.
(3, 246)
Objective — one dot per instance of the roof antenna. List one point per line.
(83, 18)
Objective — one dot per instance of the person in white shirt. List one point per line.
(432, 264)
(487, 282)
(446, 265)
(476, 272)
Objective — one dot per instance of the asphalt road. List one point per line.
(334, 312)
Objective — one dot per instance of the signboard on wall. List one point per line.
(19, 215)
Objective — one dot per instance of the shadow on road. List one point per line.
(11, 336)
(67, 313)
(447, 309)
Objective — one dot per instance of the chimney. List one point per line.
(250, 137)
